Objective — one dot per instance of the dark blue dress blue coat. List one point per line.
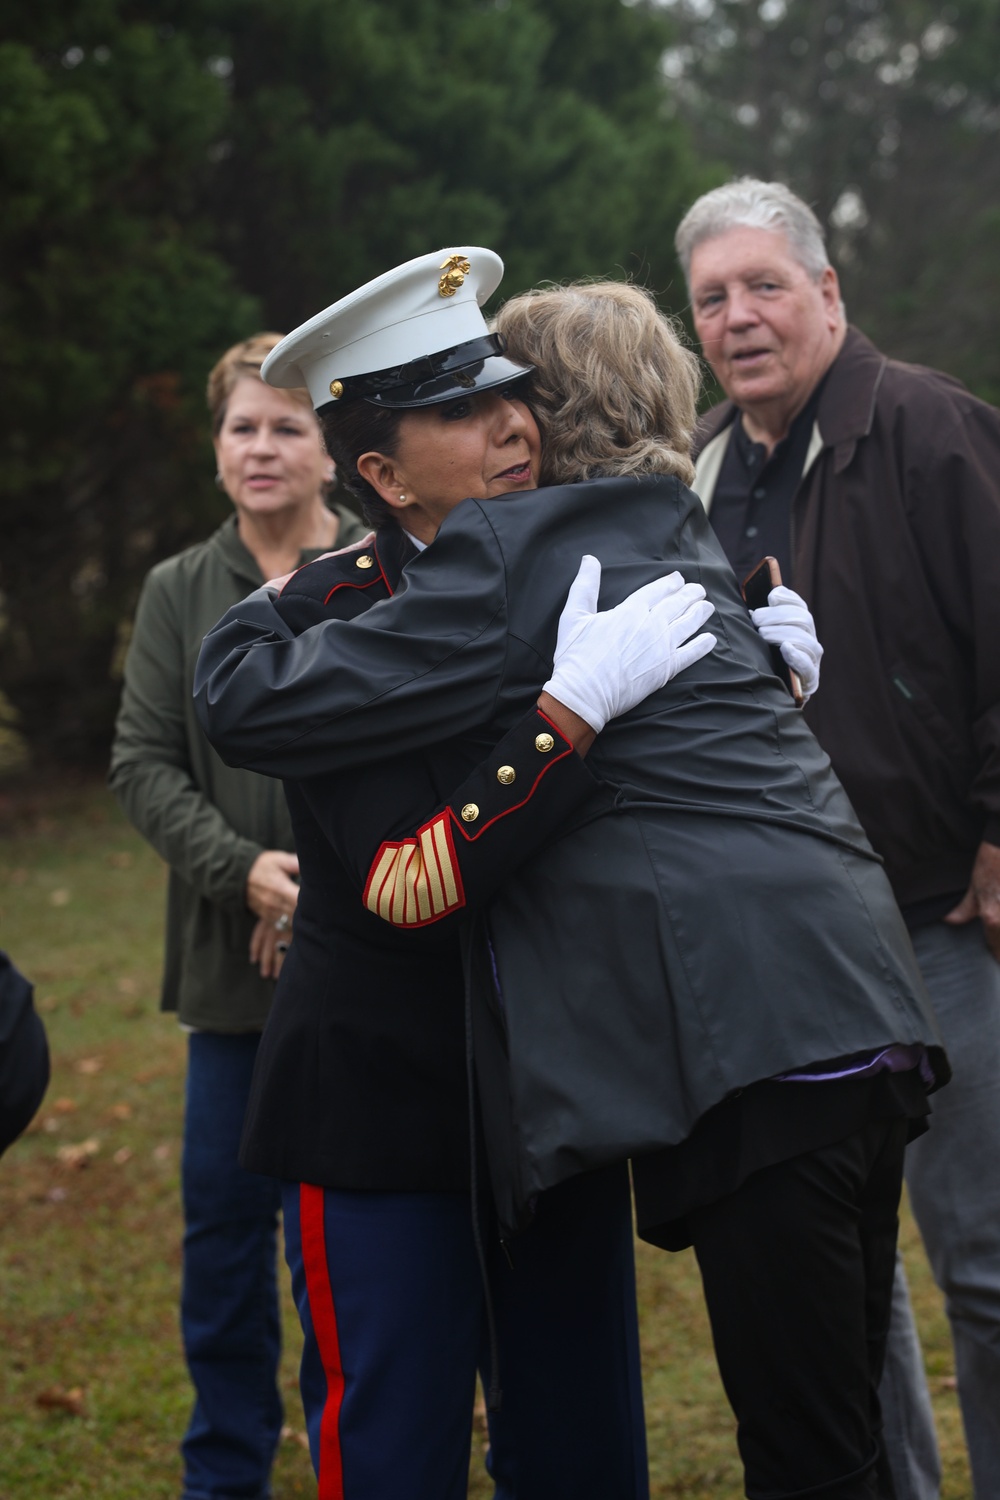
(361, 1078)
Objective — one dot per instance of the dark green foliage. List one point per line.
(885, 115)
(185, 172)
(112, 303)
(366, 131)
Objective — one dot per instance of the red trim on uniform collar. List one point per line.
(349, 583)
(381, 566)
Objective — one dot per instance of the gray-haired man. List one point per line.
(877, 486)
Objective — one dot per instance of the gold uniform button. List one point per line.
(544, 743)
(336, 389)
(470, 812)
(506, 775)
(365, 561)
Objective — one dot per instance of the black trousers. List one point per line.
(797, 1266)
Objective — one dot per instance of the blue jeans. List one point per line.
(907, 1416)
(229, 1298)
(954, 1183)
(953, 1176)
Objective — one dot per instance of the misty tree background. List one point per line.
(180, 174)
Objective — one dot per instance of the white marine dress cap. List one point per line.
(414, 336)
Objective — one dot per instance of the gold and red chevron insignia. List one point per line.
(416, 881)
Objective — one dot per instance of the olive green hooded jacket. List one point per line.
(207, 821)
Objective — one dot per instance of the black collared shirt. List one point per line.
(752, 506)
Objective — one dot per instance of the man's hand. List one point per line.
(982, 899)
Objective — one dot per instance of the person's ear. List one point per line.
(829, 287)
(385, 479)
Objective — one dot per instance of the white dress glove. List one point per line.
(787, 624)
(607, 662)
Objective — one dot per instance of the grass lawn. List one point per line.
(92, 1383)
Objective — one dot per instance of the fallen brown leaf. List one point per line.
(60, 897)
(90, 1065)
(78, 1155)
(290, 1435)
(54, 1398)
(63, 1106)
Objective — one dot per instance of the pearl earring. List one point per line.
(402, 499)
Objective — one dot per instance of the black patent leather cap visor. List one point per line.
(484, 375)
(478, 365)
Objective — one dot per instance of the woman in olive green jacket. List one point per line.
(226, 837)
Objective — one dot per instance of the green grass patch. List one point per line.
(92, 1380)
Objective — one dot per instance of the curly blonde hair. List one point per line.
(614, 390)
(241, 362)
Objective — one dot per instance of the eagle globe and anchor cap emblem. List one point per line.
(455, 270)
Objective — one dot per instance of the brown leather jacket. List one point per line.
(896, 547)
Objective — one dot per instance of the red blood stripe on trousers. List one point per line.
(324, 1321)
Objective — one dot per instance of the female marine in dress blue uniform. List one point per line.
(360, 1105)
